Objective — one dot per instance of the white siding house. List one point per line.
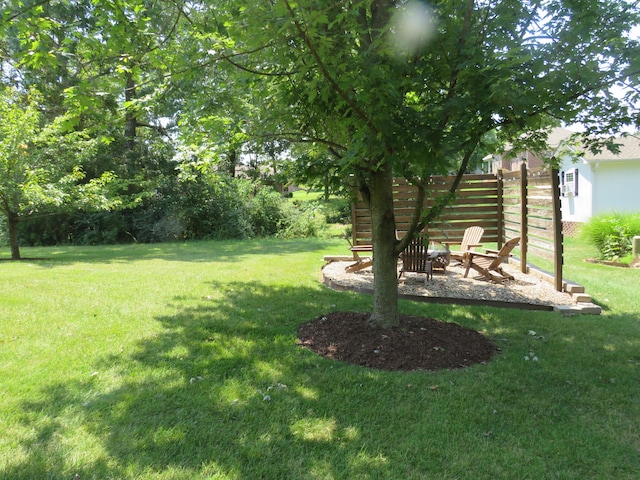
(592, 183)
(601, 183)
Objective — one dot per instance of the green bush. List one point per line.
(273, 215)
(338, 210)
(267, 212)
(205, 206)
(102, 228)
(212, 207)
(335, 210)
(302, 221)
(611, 233)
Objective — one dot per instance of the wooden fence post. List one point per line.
(558, 238)
(354, 226)
(500, 205)
(523, 217)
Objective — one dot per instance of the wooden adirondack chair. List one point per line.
(490, 264)
(359, 262)
(416, 258)
(470, 240)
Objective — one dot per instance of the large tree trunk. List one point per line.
(131, 119)
(12, 221)
(385, 263)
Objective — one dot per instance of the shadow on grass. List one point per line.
(224, 392)
(194, 398)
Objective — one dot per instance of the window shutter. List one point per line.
(575, 182)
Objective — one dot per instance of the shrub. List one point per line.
(301, 221)
(211, 207)
(339, 211)
(203, 206)
(611, 233)
(267, 212)
(101, 228)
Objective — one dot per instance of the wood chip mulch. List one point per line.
(417, 344)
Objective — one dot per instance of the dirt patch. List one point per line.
(419, 343)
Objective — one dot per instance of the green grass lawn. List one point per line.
(179, 361)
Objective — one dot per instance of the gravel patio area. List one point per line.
(451, 285)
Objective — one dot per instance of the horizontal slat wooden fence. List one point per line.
(476, 203)
(521, 204)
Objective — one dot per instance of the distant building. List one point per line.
(509, 161)
(590, 184)
(601, 183)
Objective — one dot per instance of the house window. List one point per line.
(569, 183)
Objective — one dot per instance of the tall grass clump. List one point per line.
(611, 233)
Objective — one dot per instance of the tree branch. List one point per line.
(159, 128)
(252, 71)
(414, 226)
(325, 72)
(302, 138)
(441, 202)
(30, 7)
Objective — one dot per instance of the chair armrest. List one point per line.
(470, 254)
(487, 255)
(451, 243)
(362, 248)
(469, 245)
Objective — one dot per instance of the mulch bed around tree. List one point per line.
(419, 343)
